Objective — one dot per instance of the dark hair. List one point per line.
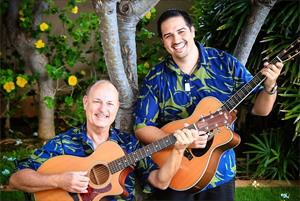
(173, 12)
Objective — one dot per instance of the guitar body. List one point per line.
(107, 185)
(199, 166)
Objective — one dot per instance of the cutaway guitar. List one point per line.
(199, 165)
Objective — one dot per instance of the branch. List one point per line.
(129, 14)
(106, 10)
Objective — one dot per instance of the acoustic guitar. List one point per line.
(198, 166)
(106, 164)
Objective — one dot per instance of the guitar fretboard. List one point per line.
(129, 159)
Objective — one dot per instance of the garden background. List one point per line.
(52, 50)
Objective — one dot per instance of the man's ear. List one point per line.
(84, 101)
(193, 31)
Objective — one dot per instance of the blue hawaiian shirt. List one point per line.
(75, 142)
(163, 97)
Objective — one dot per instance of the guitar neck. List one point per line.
(285, 55)
(206, 124)
(244, 92)
(148, 150)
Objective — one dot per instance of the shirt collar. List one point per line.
(80, 133)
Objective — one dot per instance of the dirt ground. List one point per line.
(264, 183)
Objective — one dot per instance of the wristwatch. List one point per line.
(273, 91)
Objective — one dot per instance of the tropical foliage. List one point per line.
(218, 24)
(273, 156)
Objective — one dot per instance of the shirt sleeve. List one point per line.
(143, 169)
(50, 149)
(147, 105)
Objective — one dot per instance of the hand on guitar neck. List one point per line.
(201, 139)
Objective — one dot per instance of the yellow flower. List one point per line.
(63, 36)
(148, 15)
(72, 80)
(146, 64)
(9, 86)
(82, 72)
(21, 81)
(44, 26)
(39, 44)
(21, 12)
(22, 19)
(74, 10)
(160, 58)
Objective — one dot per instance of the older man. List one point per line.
(101, 104)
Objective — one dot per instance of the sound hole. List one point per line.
(99, 174)
(201, 152)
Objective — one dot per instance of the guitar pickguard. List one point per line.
(92, 193)
(201, 152)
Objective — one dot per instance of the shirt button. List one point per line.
(194, 98)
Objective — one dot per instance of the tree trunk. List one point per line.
(25, 45)
(118, 27)
(258, 13)
(7, 120)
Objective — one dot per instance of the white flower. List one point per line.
(5, 172)
(285, 195)
(18, 142)
(11, 159)
(35, 134)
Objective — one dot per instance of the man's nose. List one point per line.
(102, 107)
(176, 38)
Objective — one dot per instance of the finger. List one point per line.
(83, 179)
(279, 65)
(200, 133)
(84, 173)
(79, 190)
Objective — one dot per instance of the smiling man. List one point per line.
(101, 104)
(173, 88)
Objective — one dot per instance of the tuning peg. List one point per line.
(202, 118)
(211, 116)
(225, 121)
(219, 130)
(215, 124)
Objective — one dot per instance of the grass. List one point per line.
(241, 194)
(267, 193)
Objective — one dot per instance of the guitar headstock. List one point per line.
(289, 52)
(215, 120)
